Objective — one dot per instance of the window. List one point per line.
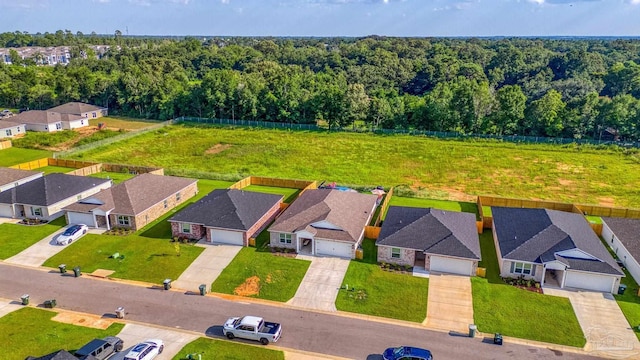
(186, 228)
(178, 196)
(285, 238)
(8, 132)
(82, 122)
(95, 115)
(123, 220)
(522, 268)
(395, 253)
(36, 211)
(58, 126)
(166, 204)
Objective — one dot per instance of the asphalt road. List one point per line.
(354, 338)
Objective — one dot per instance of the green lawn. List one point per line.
(505, 309)
(370, 251)
(15, 238)
(460, 206)
(594, 219)
(145, 259)
(379, 293)
(115, 177)
(41, 139)
(54, 169)
(288, 193)
(161, 229)
(279, 277)
(218, 349)
(121, 122)
(426, 167)
(14, 156)
(486, 210)
(630, 302)
(31, 332)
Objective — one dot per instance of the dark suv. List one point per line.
(100, 349)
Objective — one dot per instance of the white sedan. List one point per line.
(74, 232)
(145, 350)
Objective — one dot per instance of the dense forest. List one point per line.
(574, 88)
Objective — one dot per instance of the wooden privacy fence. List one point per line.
(304, 185)
(608, 211)
(32, 165)
(372, 232)
(5, 144)
(384, 206)
(85, 168)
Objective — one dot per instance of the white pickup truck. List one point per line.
(252, 328)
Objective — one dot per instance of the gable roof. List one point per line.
(58, 355)
(9, 123)
(432, 231)
(50, 189)
(9, 175)
(628, 232)
(229, 209)
(43, 117)
(133, 196)
(349, 211)
(76, 108)
(538, 235)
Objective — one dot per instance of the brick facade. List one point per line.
(407, 256)
(274, 241)
(262, 224)
(197, 231)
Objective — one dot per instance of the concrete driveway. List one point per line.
(36, 254)
(207, 267)
(450, 302)
(7, 306)
(174, 341)
(604, 326)
(319, 287)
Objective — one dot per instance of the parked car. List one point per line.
(252, 328)
(407, 353)
(100, 349)
(145, 350)
(72, 233)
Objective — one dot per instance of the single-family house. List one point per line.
(49, 121)
(553, 247)
(324, 222)
(133, 203)
(227, 216)
(57, 355)
(623, 236)
(10, 178)
(10, 128)
(86, 111)
(436, 240)
(44, 197)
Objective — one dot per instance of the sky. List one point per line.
(409, 18)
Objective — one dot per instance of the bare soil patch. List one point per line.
(250, 287)
(217, 148)
(606, 201)
(565, 182)
(88, 320)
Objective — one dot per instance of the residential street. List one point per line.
(333, 334)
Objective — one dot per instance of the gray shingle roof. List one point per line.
(536, 235)
(43, 117)
(49, 189)
(228, 209)
(8, 123)
(9, 175)
(628, 232)
(350, 211)
(75, 108)
(58, 355)
(432, 231)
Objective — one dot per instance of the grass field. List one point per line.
(288, 193)
(115, 177)
(216, 349)
(121, 122)
(430, 168)
(460, 206)
(31, 332)
(15, 238)
(54, 169)
(14, 156)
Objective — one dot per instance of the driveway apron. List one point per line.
(604, 326)
(207, 267)
(319, 287)
(7, 306)
(174, 341)
(36, 254)
(450, 303)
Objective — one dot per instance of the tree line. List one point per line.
(575, 88)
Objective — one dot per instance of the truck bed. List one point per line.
(269, 328)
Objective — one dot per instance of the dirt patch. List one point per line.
(250, 287)
(565, 182)
(217, 148)
(606, 201)
(83, 131)
(88, 320)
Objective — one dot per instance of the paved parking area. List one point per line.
(207, 267)
(604, 326)
(450, 302)
(174, 341)
(36, 254)
(319, 287)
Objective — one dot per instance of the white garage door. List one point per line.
(81, 218)
(5, 211)
(451, 265)
(227, 237)
(333, 248)
(589, 281)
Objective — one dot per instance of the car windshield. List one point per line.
(399, 351)
(139, 347)
(72, 230)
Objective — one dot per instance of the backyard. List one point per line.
(31, 332)
(15, 237)
(424, 167)
(288, 193)
(14, 156)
